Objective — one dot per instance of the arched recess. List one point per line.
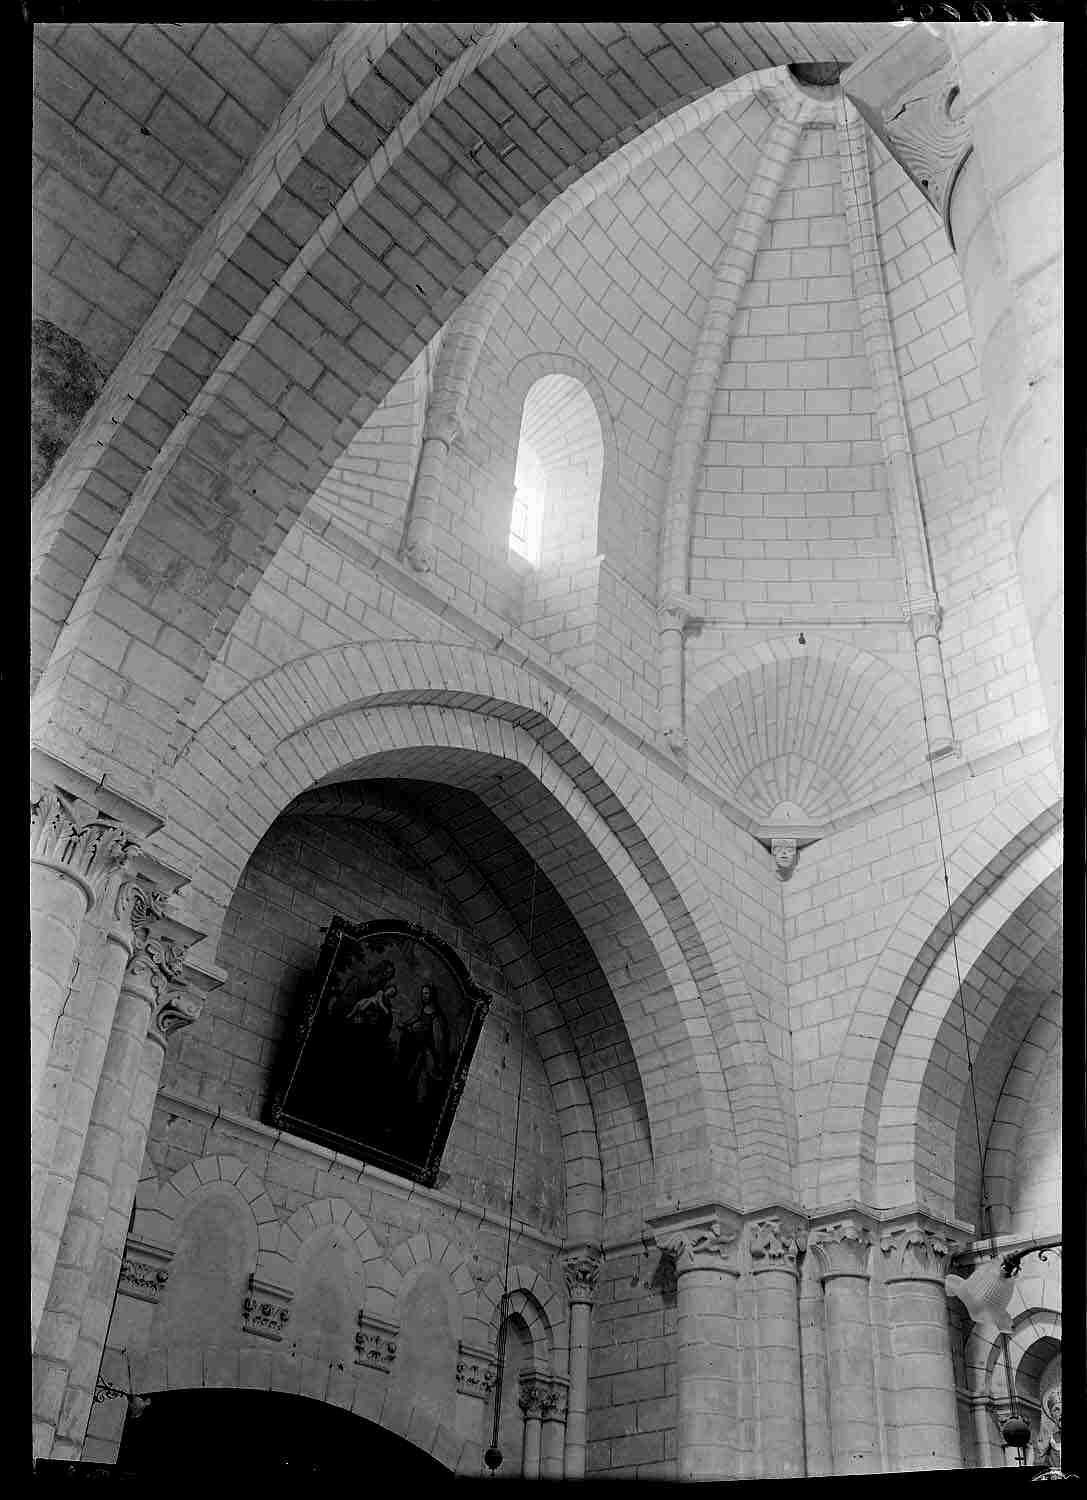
(976, 867)
(253, 757)
(489, 914)
(824, 725)
(997, 944)
(540, 1306)
(1020, 1052)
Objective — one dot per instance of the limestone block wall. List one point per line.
(264, 1266)
(792, 508)
(305, 871)
(367, 490)
(847, 919)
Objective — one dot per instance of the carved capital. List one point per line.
(925, 621)
(533, 1395)
(677, 611)
(477, 1370)
(783, 853)
(842, 1248)
(139, 905)
(420, 556)
(774, 1244)
(376, 1343)
(443, 425)
(145, 1270)
(175, 1006)
(555, 1399)
(581, 1269)
(676, 740)
(89, 851)
(917, 1251)
(265, 1309)
(707, 1246)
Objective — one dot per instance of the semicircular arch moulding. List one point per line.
(825, 726)
(252, 758)
(976, 867)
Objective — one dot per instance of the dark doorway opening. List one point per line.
(207, 1433)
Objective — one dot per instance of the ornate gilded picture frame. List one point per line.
(381, 1049)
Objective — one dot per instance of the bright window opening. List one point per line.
(529, 492)
(560, 457)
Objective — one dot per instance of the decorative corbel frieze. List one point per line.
(376, 1343)
(477, 1370)
(265, 1309)
(145, 1270)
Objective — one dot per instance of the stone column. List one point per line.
(703, 1244)
(531, 1401)
(174, 1006)
(842, 1250)
(915, 1256)
(155, 969)
(136, 903)
(554, 1428)
(71, 858)
(439, 433)
(582, 1268)
(773, 1245)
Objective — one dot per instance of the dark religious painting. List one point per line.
(382, 1047)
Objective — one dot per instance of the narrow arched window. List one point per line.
(560, 463)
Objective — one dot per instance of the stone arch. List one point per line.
(316, 716)
(280, 1263)
(862, 736)
(483, 908)
(1030, 1324)
(1016, 1107)
(540, 1306)
(429, 1248)
(976, 866)
(916, 1136)
(235, 1369)
(159, 1208)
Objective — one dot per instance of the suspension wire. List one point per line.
(503, 1310)
(952, 924)
(985, 1202)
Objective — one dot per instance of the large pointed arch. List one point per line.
(316, 717)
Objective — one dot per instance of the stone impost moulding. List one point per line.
(266, 1308)
(376, 1343)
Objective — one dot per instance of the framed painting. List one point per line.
(382, 1047)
